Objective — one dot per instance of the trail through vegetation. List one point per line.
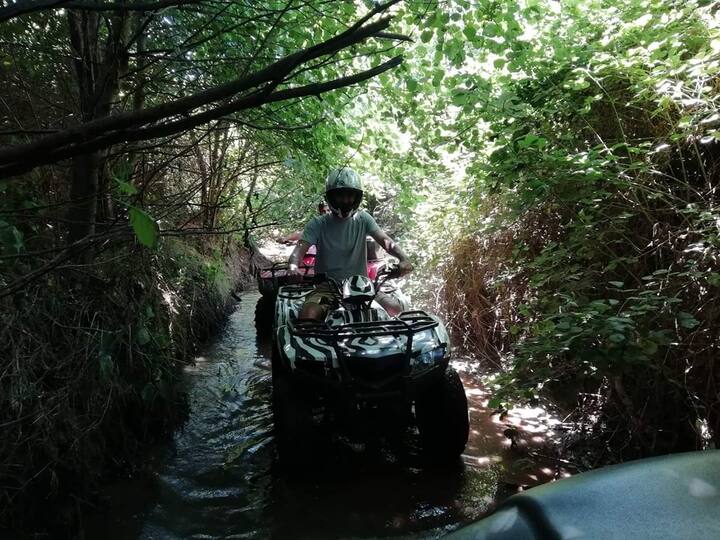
(552, 167)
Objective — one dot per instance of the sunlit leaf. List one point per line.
(146, 229)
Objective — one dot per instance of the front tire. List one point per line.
(293, 423)
(442, 418)
(277, 368)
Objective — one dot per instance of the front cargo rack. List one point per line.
(407, 323)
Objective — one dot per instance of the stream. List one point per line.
(219, 478)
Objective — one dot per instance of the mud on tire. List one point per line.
(442, 418)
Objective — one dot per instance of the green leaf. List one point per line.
(686, 320)
(649, 347)
(126, 187)
(438, 77)
(11, 238)
(490, 29)
(106, 351)
(121, 175)
(106, 366)
(494, 403)
(426, 36)
(618, 284)
(18, 237)
(148, 393)
(238, 451)
(146, 229)
(460, 98)
(142, 336)
(470, 32)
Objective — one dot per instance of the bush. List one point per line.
(90, 369)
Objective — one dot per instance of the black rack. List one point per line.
(295, 290)
(283, 267)
(407, 323)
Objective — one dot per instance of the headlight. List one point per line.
(430, 357)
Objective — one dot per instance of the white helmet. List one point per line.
(358, 289)
(343, 180)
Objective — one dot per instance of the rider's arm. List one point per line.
(392, 248)
(297, 255)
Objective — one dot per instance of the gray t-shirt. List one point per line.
(340, 243)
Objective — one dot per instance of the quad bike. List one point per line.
(361, 358)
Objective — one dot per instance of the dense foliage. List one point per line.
(566, 155)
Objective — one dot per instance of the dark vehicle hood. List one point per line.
(675, 496)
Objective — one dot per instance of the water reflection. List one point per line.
(219, 478)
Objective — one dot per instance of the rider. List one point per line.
(339, 238)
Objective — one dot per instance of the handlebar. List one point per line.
(385, 273)
(392, 272)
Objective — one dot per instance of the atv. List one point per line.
(359, 359)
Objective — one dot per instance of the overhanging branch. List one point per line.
(24, 7)
(106, 131)
(177, 126)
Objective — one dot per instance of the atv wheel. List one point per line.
(277, 368)
(293, 423)
(264, 311)
(442, 417)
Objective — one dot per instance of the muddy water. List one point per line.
(220, 479)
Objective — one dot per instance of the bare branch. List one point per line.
(394, 37)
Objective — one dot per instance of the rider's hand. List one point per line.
(404, 267)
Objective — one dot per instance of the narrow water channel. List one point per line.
(219, 477)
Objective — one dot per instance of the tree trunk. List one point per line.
(83, 196)
(248, 210)
(135, 167)
(97, 71)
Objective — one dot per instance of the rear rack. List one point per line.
(295, 290)
(279, 267)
